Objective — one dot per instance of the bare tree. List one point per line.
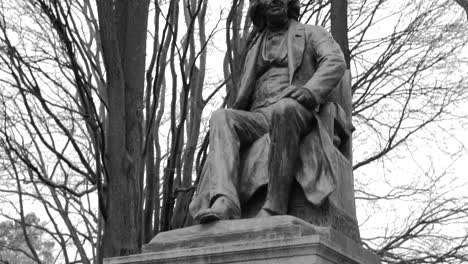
(91, 114)
(87, 106)
(402, 93)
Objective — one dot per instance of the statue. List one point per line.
(274, 134)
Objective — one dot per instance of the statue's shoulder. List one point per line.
(315, 30)
(314, 33)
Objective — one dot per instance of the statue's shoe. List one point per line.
(222, 209)
(264, 213)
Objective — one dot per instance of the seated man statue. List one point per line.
(290, 70)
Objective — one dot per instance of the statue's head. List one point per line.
(260, 9)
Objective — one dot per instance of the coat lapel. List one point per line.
(296, 44)
(248, 75)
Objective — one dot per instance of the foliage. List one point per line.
(14, 245)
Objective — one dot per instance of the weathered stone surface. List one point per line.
(254, 229)
(278, 239)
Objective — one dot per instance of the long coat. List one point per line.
(315, 62)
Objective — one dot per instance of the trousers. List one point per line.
(286, 120)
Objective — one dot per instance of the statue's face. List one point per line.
(276, 9)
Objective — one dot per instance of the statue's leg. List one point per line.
(229, 130)
(289, 122)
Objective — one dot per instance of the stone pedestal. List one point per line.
(278, 239)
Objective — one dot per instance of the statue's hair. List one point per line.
(258, 18)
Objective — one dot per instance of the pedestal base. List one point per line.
(279, 239)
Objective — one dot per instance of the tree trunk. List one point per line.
(339, 26)
(123, 35)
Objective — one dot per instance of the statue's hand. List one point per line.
(303, 96)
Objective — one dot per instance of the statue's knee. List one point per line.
(285, 108)
(217, 117)
(220, 117)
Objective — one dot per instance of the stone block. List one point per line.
(278, 239)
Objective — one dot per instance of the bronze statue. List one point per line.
(274, 134)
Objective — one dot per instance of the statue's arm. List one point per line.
(330, 63)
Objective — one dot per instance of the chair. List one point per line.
(338, 211)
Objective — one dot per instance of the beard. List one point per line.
(276, 16)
